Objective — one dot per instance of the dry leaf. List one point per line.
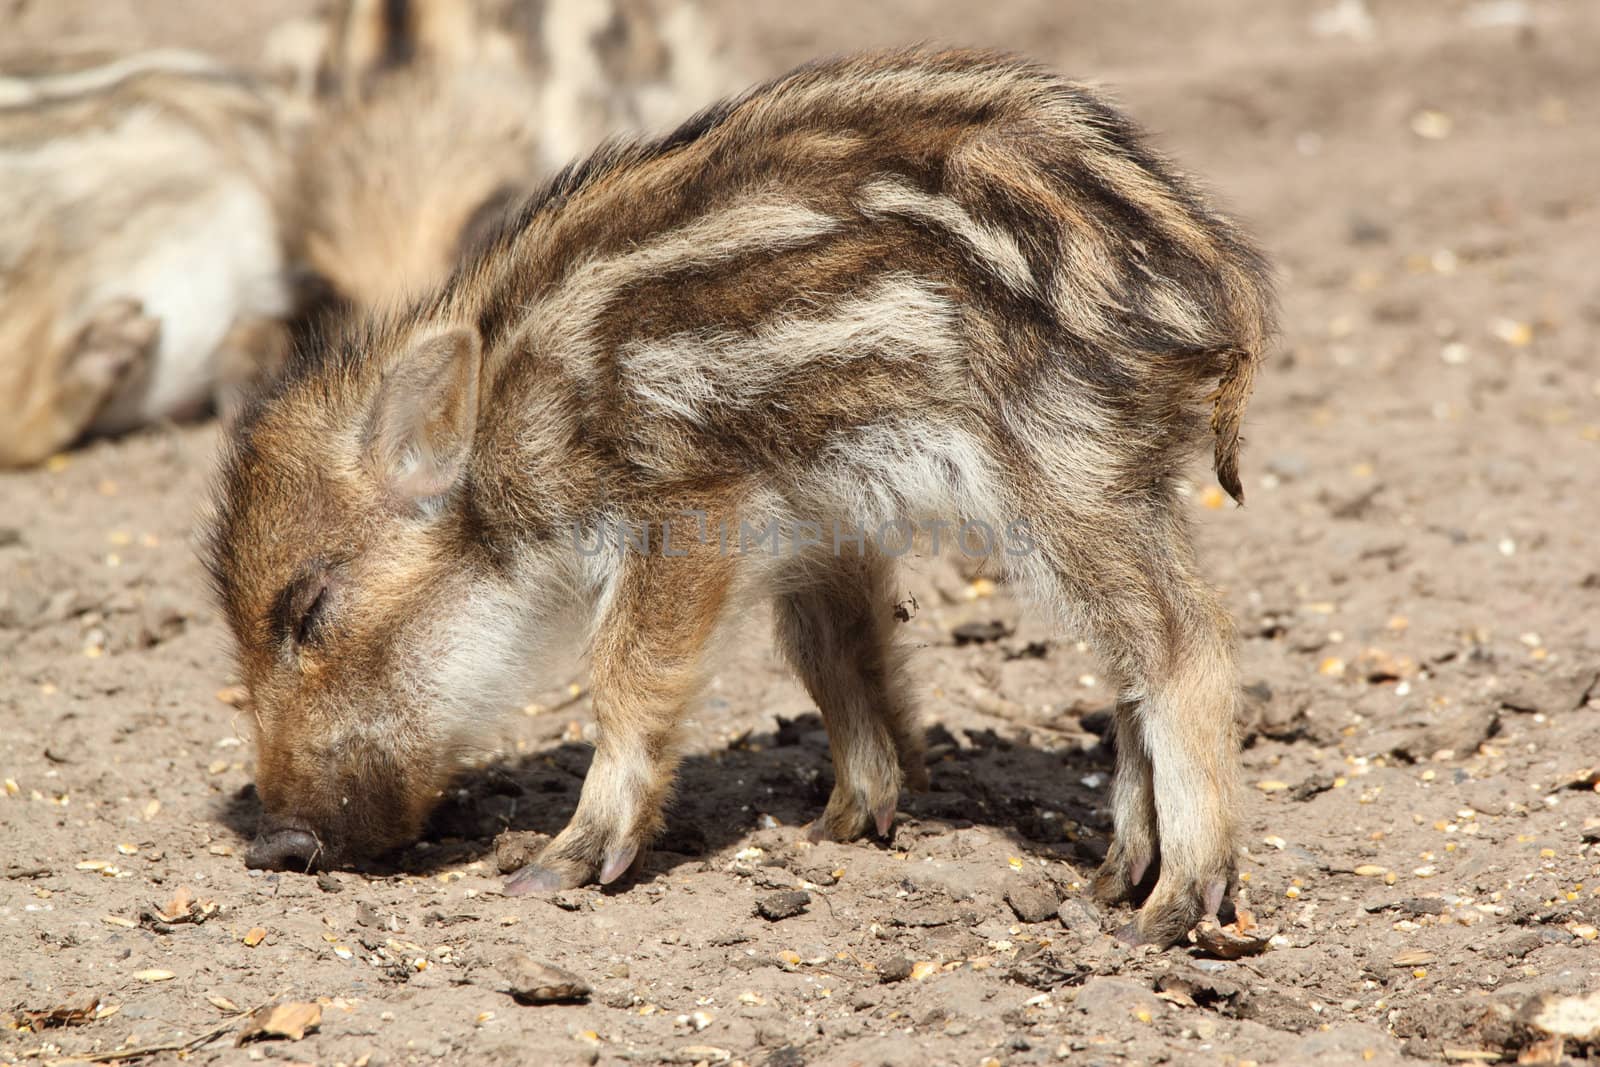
(1588, 778)
(1415, 957)
(182, 908)
(154, 974)
(178, 906)
(1229, 942)
(288, 1019)
(223, 1004)
(1176, 996)
(52, 1018)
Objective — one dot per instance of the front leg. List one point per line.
(646, 669)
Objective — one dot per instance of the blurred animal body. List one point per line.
(165, 216)
(900, 286)
(431, 119)
(141, 257)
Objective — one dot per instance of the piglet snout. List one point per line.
(283, 848)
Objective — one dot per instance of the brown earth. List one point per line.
(1416, 581)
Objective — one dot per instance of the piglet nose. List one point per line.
(283, 848)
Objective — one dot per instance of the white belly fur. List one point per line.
(219, 261)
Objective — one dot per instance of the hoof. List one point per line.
(532, 879)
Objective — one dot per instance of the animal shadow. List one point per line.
(1049, 798)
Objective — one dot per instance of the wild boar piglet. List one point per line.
(141, 247)
(748, 361)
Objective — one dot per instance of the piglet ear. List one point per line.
(419, 433)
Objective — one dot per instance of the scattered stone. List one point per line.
(1313, 786)
(772, 878)
(1079, 916)
(1410, 907)
(532, 982)
(1460, 734)
(617, 998)
(1517, 944)
(433, 918)
(820, 875)
(27, 870)
(787, 1056)
(1194, 987)
(894, 969)
(1033, 902)
(1114, 1000)
(373, 919)
(515, 849)
(784, 905)
(1530, 692)
(328, 883)
(980, 633)
(795, 731)
(960, 880)
(1048, 969)
(1346, 1043)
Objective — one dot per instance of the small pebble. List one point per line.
(784, 905)
(1079, 915)
(1033, 902)
(894, 969)
(532, 982)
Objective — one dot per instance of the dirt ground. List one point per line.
(1416, 581)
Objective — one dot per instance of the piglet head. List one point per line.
(370, 624)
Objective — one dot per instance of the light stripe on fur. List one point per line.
(902, 317)
(764, 223)
(997, 250)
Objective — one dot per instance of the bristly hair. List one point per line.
(345, 344)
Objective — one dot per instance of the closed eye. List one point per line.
(301, 609)
(311, 619)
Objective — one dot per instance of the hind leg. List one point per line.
(1128, 572)
(1187, 719)
(835, 623)
(1133, 805)
(53, 409)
